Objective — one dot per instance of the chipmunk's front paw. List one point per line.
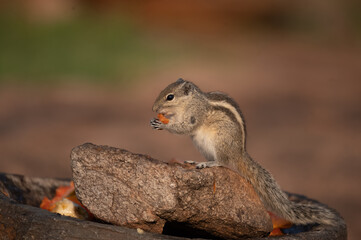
(156, 124)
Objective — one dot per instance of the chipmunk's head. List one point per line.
(174, 96)
(177, 102)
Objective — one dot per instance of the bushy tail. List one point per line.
(314, 213)
(276, 201)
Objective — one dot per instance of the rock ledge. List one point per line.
(136, 191)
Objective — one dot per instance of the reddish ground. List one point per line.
(301, 104)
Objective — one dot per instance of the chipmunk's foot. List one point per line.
(207, 164)
(156, 124)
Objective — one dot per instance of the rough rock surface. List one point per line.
(137, 191)
(20, 217)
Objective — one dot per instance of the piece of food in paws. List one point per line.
(162, 118)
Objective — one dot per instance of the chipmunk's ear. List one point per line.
(188, 87)
(180, 80)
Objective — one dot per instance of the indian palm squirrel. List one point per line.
(216, 125)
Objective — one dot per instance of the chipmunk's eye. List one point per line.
(170, 97)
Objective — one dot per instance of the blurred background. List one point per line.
(76, 71)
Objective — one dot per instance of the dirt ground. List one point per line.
(301, 104)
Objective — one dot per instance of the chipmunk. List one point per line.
(216, 125)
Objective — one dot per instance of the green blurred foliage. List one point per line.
(105, 46)
(98, 50)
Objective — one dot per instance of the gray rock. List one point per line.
(136, 191)
(21, 218)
